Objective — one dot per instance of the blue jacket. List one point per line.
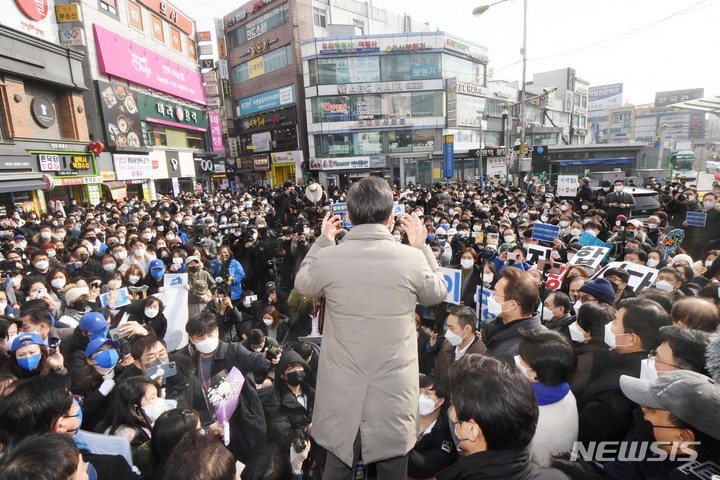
(238, 275)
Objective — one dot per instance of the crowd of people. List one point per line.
(538, 356)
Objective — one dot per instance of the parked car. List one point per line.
(647, 202)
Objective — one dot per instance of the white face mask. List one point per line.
(494, 307)
(177, 261)
(267, 321)
(488, 277)
(619, 189)
(426, 406)
(109, 267)
(547, 314)
(520, 366)
(664, 285)
(564, 223)
(453, 339)
(576, 335)
(42, 264)
(652, 263)
(466, 263)
(15, 281)
(477, 228)
(208, 345)
(647, 370)
(120, 256)
(58, 283)
(151, 312)
(396, 237)
(134, 279)
(8, 343)
(708, 263)
(609, 336)
(575, 232)
(509, 238)
(577, 306)
(155, 409)
(140, 252)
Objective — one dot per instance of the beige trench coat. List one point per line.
(368, 372)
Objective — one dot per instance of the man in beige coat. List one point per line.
(367, 387)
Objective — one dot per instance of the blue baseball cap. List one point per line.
(93, 322)
(96, 344)
(25, 339)
(156, 265)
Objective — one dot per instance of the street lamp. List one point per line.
(479, 11)
(480, 141)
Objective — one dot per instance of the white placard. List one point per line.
(535, 253)
(589, 257)
(567, 185)
(453, 278)
(641, 277)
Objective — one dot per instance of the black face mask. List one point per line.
(296, 378)
(83, 257)
(193, 269)
(644, 429)
(80, 305)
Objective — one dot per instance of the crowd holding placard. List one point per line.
(169, 339)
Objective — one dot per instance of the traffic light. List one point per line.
(540, 153)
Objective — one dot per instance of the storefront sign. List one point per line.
(131, 167)
(267, 100)
(122, 58)
(71, 37)
(72, 181)
(258, 47)
(67, 13)
(335, 108)
(93, 194)
(31, 17)
(213, 102)
(121, 115)
(470, 89)
(353, 46)
(15, 163)
(476, 52)
(212, 89)
(256, 67)
(295, 156)
(216, 132)
(261, 163)
(276, 119)
(204, 37)
(348, 163)
(65, 165)
(43, 112)
(381, 87)
(108, 176)
(165, 112)
(223, 69)
(170, 13)
(266, 22)
(205, 50)
(135, 15)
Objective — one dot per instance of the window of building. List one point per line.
(258, 26)
(319, 17)
(427, 104)
(284, 139)
(108, 6)
(394, 67)
(368, 143)
(272, 61)
(464, 70)
(196, 140)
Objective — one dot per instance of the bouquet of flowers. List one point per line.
(224, 396)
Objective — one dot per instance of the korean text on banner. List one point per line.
(567, 185)
(339, 208)
(454, 283)
(545, 232)
(641, 277)
(590, 257)
(535, 253)
(588, 240)
(696, 219)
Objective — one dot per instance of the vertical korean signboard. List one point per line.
(216, 132)
(448, 156)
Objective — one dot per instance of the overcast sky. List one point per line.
(649, 45)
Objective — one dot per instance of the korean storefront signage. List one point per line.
(339, 163)
(258, 47)
(122, 58)
(267, 100)
(68, 182)
(476, 52)
(43, 112)
(120, 115)
(166, 112)
(65, 165)
(31, 17)
(261, 163)
(279, 118)
(295, 156)
(170, 13)
(204, 36)
(71, 37)
(134, 167)
(384, 87)
(67, 13)
(215, 132)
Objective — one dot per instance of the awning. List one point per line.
(8, 186)
(118, 190)
(596, 161)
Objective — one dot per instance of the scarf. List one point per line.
(546, 395)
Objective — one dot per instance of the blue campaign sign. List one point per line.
(696, 219)
(545, 232)
(448, 157)
(482, 305)
(454, 282)
(346, 221)
(339, 208)
(588, 240)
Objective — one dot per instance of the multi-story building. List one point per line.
(381, 105)
(43, 130)
(148, 102)
(266, 78)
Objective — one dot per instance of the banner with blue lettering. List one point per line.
(448, 156)
(453, 278)
(482, 303)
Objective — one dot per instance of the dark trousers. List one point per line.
(390, 469)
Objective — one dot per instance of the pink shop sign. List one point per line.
(123, 58)
(216, 132)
